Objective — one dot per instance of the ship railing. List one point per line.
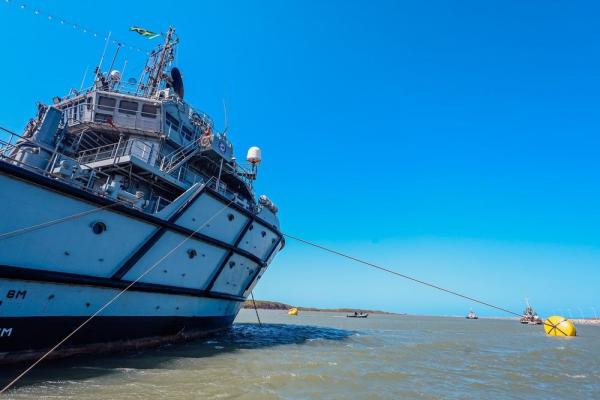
(221, 187)
(110, 117)
(59, 167)
(78, 112)
(159, 204)
(171, 161)
(131, 146)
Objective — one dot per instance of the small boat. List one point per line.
(293, 311)
(357, 315)
(530, 317)
(472, 315)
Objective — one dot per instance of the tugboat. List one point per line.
(530, 317)
(472, 315)
(126, 186)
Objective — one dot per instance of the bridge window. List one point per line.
(128, 107)
(149, 110)
(106, 103)
(172, 122)
(187, 134)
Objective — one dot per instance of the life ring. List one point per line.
(206, 140)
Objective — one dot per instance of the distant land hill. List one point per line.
(274, 305)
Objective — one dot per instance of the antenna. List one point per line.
(99, 70)
(226, 122)
(83, 79)
(160, 60)
(119, 45)
(123, 69)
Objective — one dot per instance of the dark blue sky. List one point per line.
(454, 141)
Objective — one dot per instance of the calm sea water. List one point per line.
(328, 356)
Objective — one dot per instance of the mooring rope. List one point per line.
(113, 299)
(388, 270)
(255, 308)
(57, 221)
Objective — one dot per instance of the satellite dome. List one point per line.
(115, 75)
(254, 155)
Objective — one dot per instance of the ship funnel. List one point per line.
(254, 156)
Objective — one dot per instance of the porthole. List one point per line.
(230, 217)
(192, 253)
(263, 234)
(231, 264)
(98, 227)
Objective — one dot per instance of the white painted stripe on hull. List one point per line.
(33, 299)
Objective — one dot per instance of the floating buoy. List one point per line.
(559, 326)
(293, 311)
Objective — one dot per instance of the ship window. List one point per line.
(106, 103)
(128, 107)
(187, 133)
(149, 110)
(172, 122)
(100, 117)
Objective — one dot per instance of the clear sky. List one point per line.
(453, 141)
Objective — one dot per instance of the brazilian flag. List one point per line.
(144, 32)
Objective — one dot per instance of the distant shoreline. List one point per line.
(275, 305)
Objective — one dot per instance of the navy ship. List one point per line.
(126, 186)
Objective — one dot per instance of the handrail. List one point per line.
(170, 161)
(113, 150)
(85, 183)
(204, 117)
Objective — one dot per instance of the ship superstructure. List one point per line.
(530, 316)
(121, 182)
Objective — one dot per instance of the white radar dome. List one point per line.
(115, 75)
(254, 156)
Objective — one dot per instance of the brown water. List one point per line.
(328, 356)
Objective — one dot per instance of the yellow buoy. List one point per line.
(293, 311)
(559, 326)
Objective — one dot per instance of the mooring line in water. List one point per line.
(112, 300)
(431, 285)
(255, 308)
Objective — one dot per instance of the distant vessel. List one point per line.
(472, 315)
(357, 315)
(530, 316)
(293, 311)
(114, 180)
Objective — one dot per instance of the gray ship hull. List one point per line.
(53, 278)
